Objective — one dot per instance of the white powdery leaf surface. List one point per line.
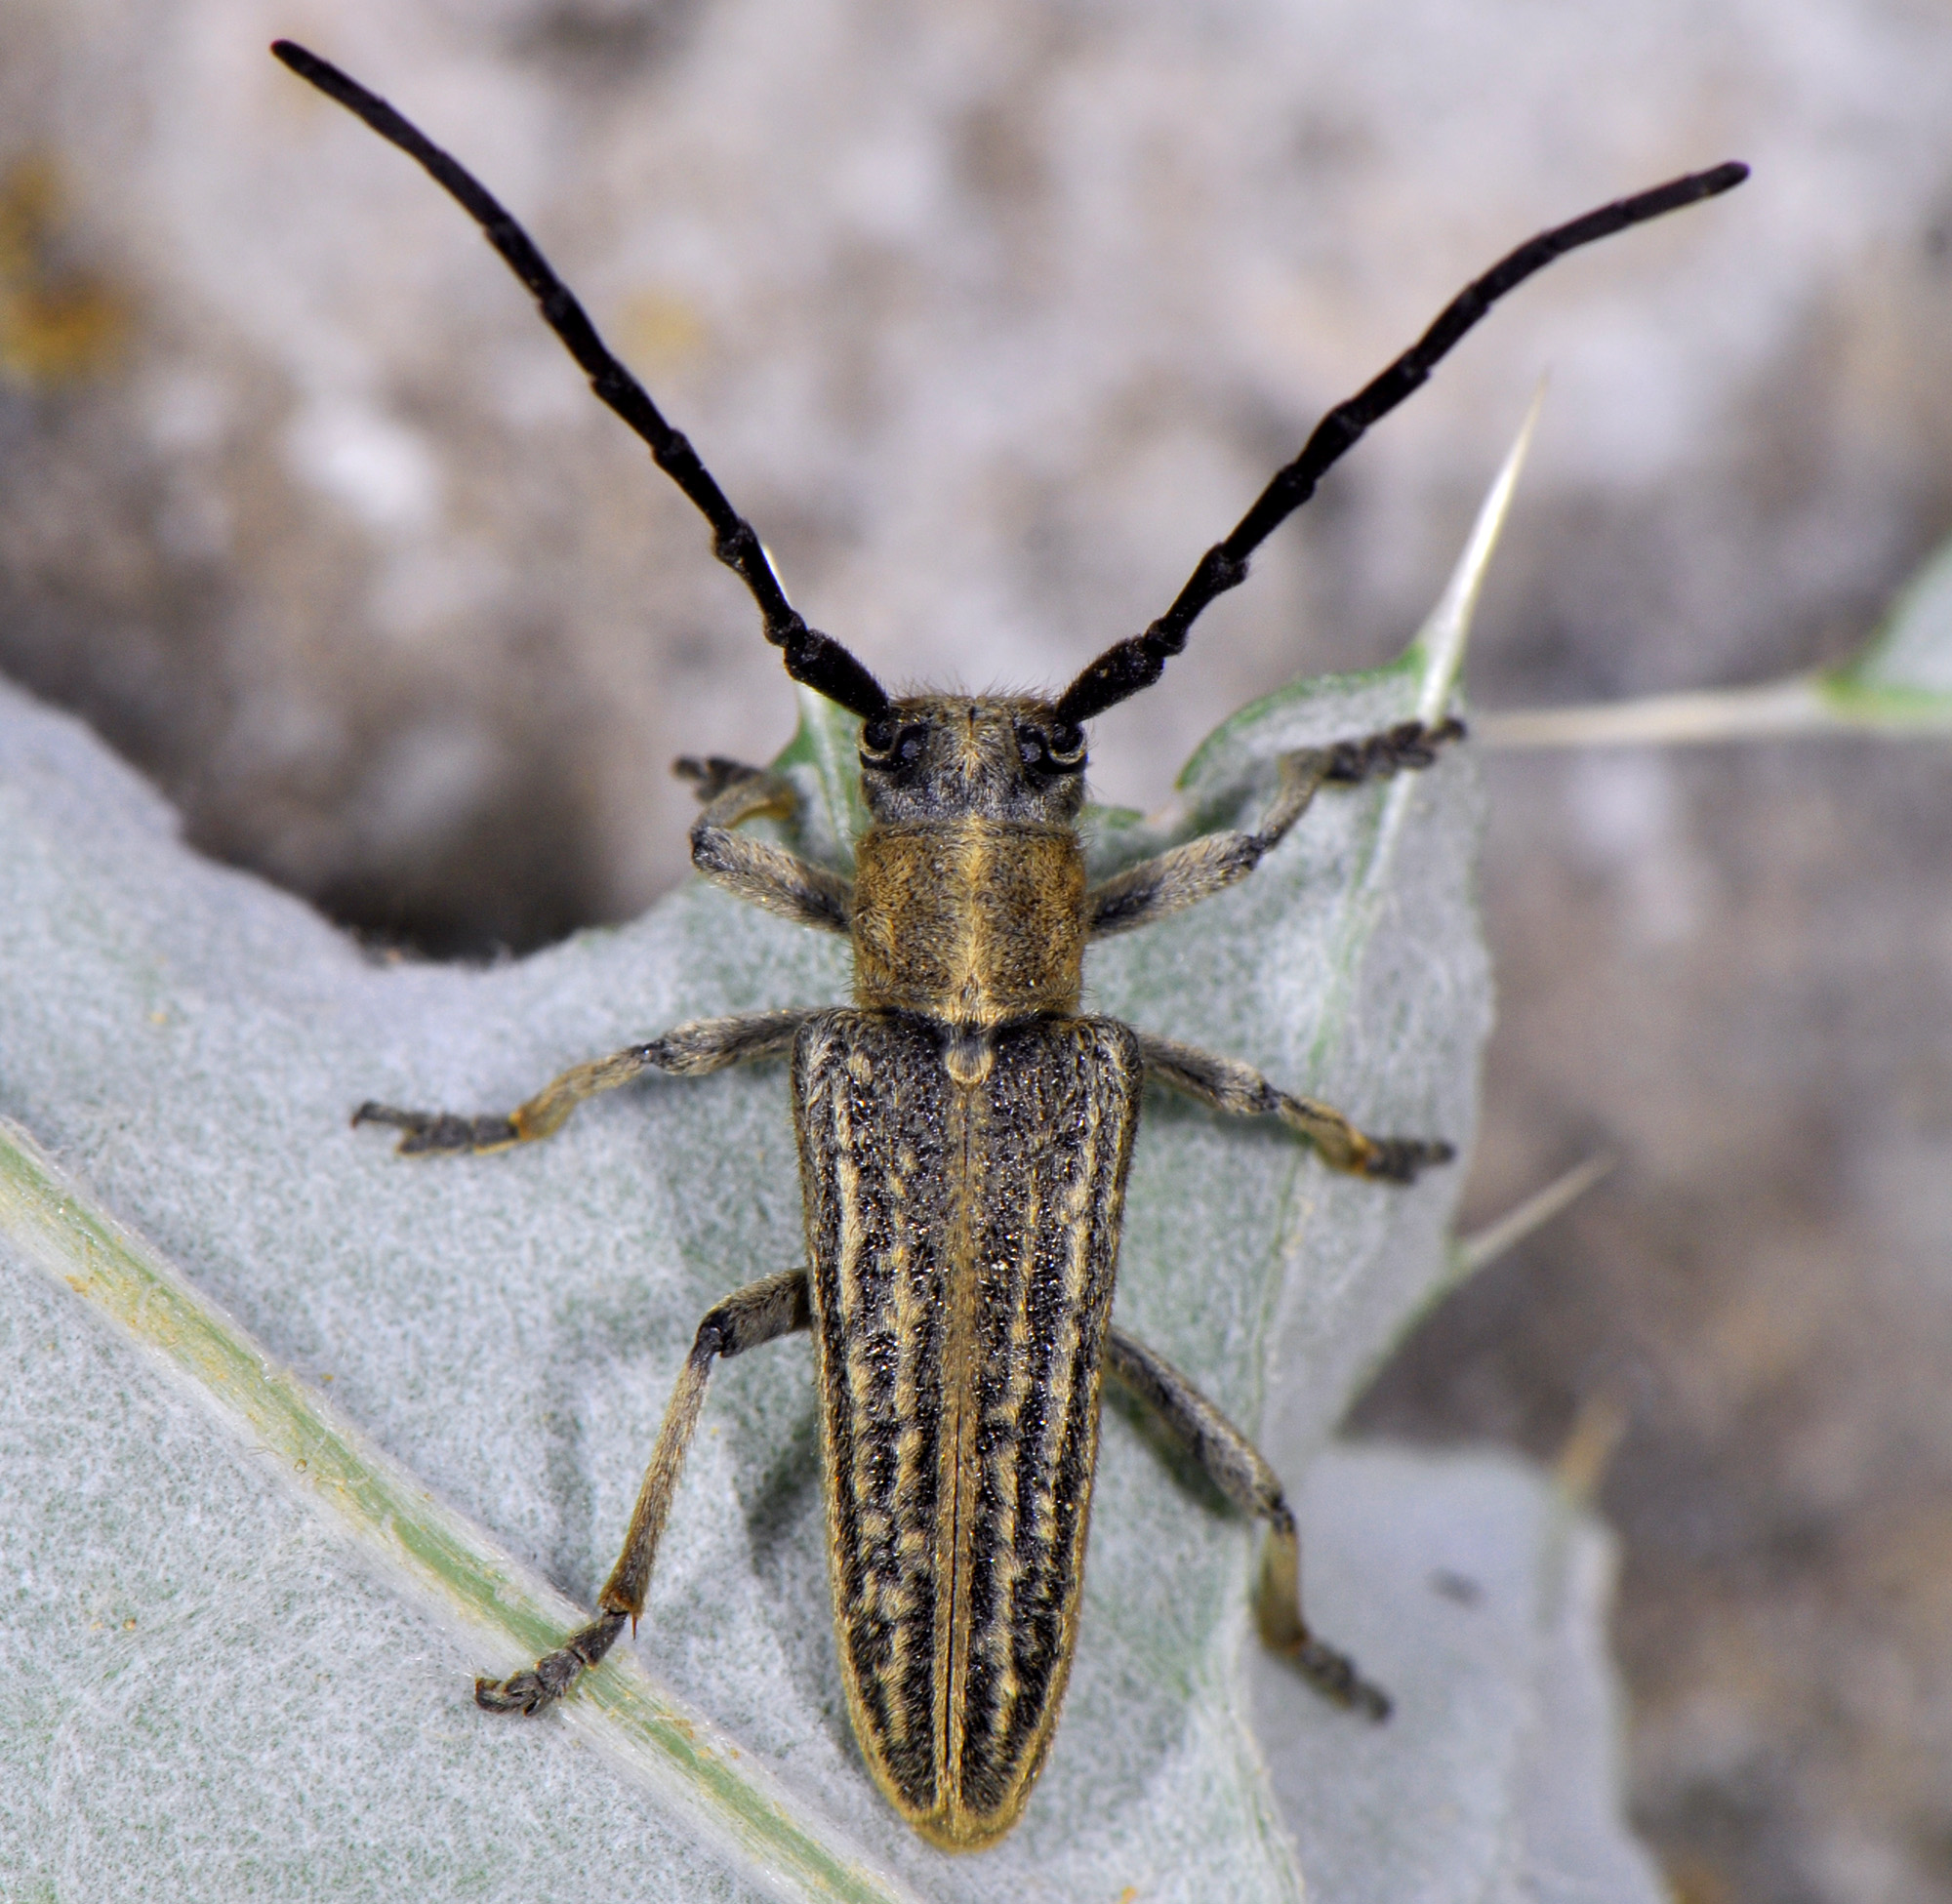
(1481, 1595)
(281, 1718)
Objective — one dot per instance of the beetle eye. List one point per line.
(1061, 751)
(1067, 746)
(877, 737)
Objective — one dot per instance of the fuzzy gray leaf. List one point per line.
(217, 1687)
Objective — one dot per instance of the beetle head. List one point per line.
(932, 757)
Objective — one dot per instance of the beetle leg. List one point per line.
(1189, 874)
(755, 870)
(688, 1050)
(762, 1311)
(1241, 1091)
(1240, 1471)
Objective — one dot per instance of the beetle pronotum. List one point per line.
(964, 1132)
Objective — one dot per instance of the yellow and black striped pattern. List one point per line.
(962, 1213)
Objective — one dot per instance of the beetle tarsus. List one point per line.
(1333, 1674)
(552, 1676)
(437, 1133)
(530, 1691)
(1400, 1159)
(1408, 745)
(713, 774)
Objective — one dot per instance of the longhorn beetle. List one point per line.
(964, 1132)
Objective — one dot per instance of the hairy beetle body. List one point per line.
(969, 880)
(984, 915)
(963, 1133)
(963, 1144)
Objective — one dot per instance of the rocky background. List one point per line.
(992, 318)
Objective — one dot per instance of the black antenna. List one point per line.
(811, 657)
(1138, 662)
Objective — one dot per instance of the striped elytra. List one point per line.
(963, 1239)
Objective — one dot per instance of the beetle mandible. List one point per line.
(964, 1131)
